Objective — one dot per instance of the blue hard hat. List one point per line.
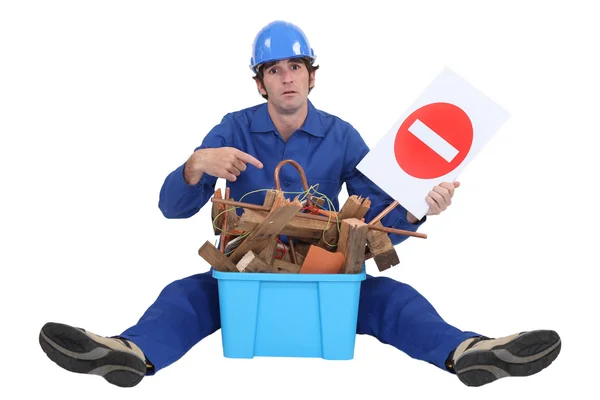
(279, 40)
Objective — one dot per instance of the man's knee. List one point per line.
(383, 285)
(193, 284)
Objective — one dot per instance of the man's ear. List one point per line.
(260, 87)
(311, 79)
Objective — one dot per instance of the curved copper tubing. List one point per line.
(306, 189)
(300, 171)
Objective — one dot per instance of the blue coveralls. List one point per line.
(328, 149)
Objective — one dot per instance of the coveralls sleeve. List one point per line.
(177, 198)
(358, 184)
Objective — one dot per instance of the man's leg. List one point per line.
(398, 315)
(185, 312)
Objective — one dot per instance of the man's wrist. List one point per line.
(189, 176)
(411, 218)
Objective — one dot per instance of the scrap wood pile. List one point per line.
(318, 240)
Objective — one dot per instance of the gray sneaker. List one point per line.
(119, 361)
(478, 361)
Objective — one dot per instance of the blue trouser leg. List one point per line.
(396, 314)
(185, 312)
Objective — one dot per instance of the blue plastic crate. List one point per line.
(289, 315)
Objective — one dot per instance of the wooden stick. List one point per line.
(215, 258)
(250, 262)
(267, 253)
(269, 228)
(292, 250)
(286, 267)
(224, 226)
(353, 238)
(297, 227)
(316, 217)
(382, 249)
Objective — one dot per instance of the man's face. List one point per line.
(286, 83)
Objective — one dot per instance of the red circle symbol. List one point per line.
(433, 140)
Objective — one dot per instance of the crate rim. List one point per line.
(288, 277)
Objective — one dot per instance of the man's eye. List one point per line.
(273, 70)
(295, 66)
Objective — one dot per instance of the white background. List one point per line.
(99, 101)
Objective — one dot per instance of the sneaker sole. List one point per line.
(73, 350)
(526, 355)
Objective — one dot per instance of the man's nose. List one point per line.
(287, 76)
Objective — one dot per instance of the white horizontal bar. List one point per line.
(433, 140)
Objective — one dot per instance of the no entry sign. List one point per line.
(433, 140)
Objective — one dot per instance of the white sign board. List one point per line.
(433, 141)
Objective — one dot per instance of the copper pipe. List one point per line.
(383, 213)
(316, 217)
(241, 204)
(398, 231)
(302, 176)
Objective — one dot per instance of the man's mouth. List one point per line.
(289, 92)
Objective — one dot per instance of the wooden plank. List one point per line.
(353, 239)
(269, 228)
(300, 259)
(317, 217)
(270, 197)
(381, 249)
(261, 246)
(286, 267)
(278, 199)
(303, 247)
(297, 227)
(268, 252)
(232, 219)
(250, 262)
(292, 248)
(215, 258)
(351, 207)
(364, 209)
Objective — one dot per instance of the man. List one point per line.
(244, 149)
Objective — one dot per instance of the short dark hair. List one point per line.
(261, 71)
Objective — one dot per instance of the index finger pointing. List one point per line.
(247, 158)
